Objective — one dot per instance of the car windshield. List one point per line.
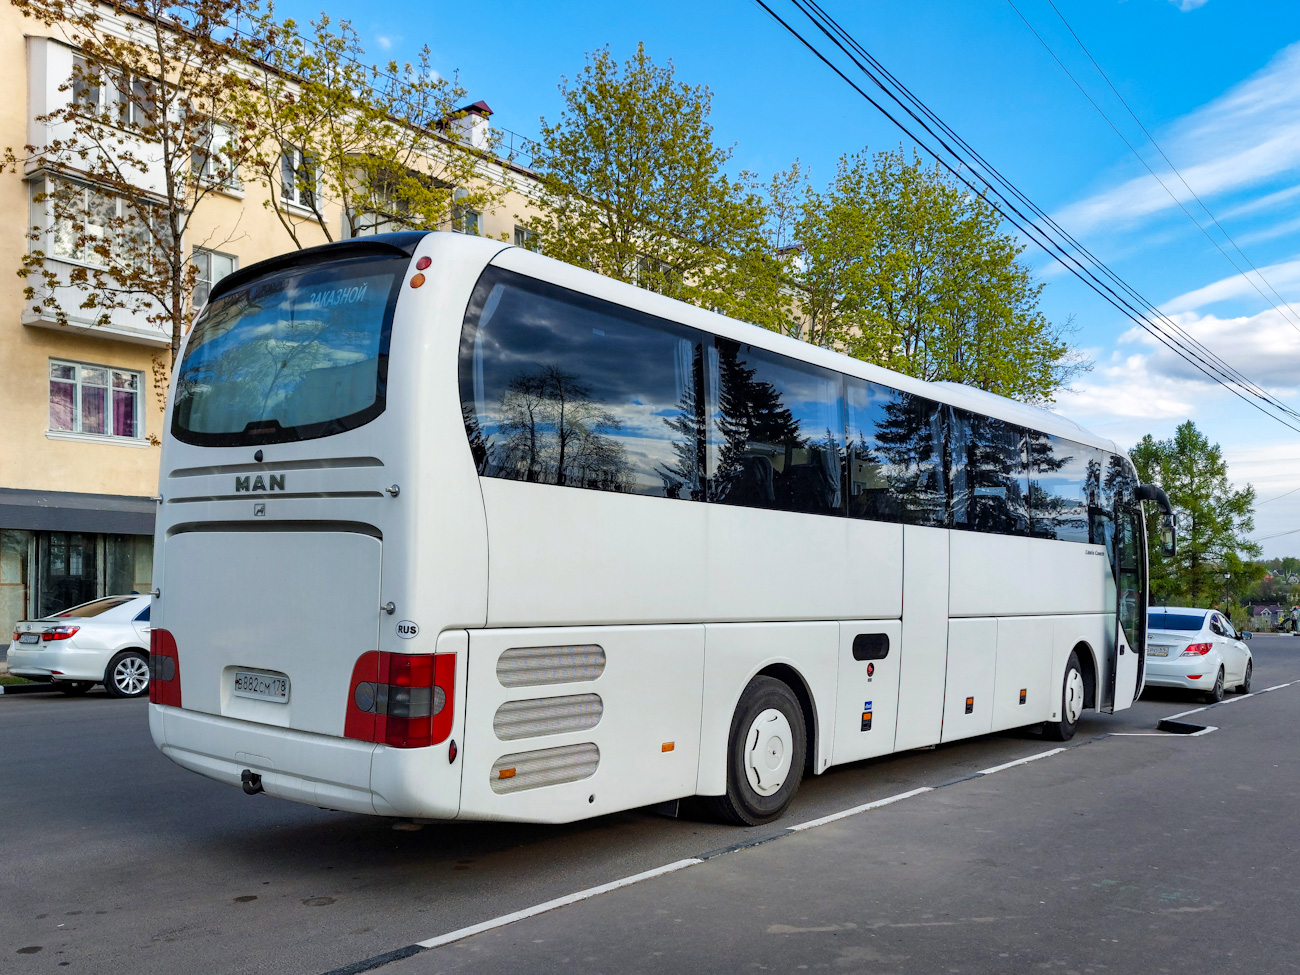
(92, 608)
(1174, 621)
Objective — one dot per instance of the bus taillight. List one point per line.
(164, 668)
(401, 699)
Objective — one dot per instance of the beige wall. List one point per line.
(244, 227)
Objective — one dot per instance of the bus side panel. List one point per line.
(968, 693)
(734, 653)
(779, 565)
(1025, 645)
(425, 782)
(923, 660)
(1006, 575)
(562, 555)
(647, 734)
(866, 687)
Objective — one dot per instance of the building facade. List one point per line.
(81, 404)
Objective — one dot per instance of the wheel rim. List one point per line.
(131, 675)
(1073, 696)
(769, 752)
(1249, 667)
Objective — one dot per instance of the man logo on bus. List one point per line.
(258, 483)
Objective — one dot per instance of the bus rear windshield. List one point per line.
(1174, 621)
(294, 355)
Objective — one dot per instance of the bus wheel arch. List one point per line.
(1088, 667)
(794, 680)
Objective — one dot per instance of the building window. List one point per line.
(94, 400)
(117, 97)
(212, 162)
(527, 238)
(297, 177)
(212, 267)
(88, 224)
(466, 221)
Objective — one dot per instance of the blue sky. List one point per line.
(1216, 82)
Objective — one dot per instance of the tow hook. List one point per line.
(251, 781)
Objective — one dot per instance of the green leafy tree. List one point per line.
(321, 130)
(1215, 519)
(633, 187)
(904, 267)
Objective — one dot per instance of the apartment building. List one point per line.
(80, 412)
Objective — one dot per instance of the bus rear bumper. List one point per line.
(320, 770)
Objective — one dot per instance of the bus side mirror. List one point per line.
(1168, 537)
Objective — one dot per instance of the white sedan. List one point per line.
(105, 641)
(1196, 649)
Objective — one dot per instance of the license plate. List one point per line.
(30, 638)
(1157, 651)
(263, 687)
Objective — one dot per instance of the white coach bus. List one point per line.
(452, 530)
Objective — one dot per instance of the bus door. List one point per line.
(1128, 557)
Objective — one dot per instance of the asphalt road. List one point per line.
(1150, 853)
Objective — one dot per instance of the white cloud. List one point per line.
(1186, 5)
(385, 43)
(1264, 346)
(1244, 138)
(1281, 276)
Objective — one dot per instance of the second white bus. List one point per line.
(452, 530)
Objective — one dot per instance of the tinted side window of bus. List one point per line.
(775, 432)
(561, 388)
(990, 482)
(1064, 488)
(895, 454)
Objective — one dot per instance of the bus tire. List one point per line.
(1072, 689)
(766, 750)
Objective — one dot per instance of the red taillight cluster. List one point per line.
(1198, 649)
(164, 669)
(401, 699)
(59, 633)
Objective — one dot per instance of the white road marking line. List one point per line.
(1275, 687)
(581, 895)
(1182, 714)
(1204, 731)
(845, 813)
(1020, 761)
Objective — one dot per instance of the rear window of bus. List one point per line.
(293, 355)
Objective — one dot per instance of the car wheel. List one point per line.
(1244, 686)
(1215, 694)
(127, 674)
(765, 754)
(75, 688)
(1071, 703)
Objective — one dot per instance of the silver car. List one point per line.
(104, 641)
(1196, 649)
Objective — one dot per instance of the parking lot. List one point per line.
(1128, 851)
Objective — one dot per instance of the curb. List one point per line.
(25, 688)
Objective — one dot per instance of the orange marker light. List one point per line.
(506, 773)
(417, 280)
(668, 746)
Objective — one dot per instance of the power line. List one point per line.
(1278, 498)
(1169, 162)
(1005, 204)
(1265, 538)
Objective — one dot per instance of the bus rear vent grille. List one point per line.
(535, 666)
(547, 716)
(549, 766)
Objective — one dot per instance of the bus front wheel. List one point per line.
(1072, 690)
(765, 754)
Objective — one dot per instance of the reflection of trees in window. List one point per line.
(686, 473)
(910, 440)
(555, 434)
(480, 446)
(988, 475)
(1046, 506)
(764, 460)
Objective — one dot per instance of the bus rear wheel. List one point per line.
(765, 754)
(1072, 689)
